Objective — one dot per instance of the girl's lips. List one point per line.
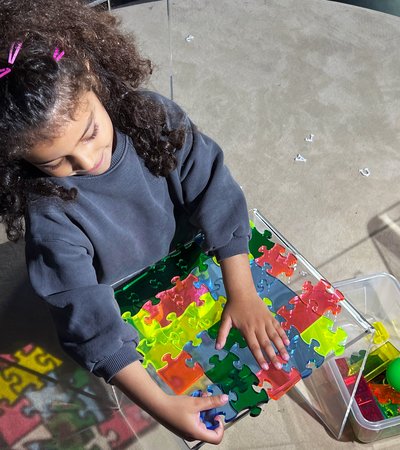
(94, 168)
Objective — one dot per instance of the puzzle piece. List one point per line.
(211, 279)
(245, 358)
(249, 399)
(301, 316)
(157, 277)
(154, 350)
(302, 354)
(208, 416)
(176, 299)
(234, 336)
(203, 352)
(280, 381)
(270, 287)
(329, 340)
(385, 393)
(226, 410)
(227, 376)
(178, 375)
(322, 297)
(276, 258)
(223, 370)
(146, 330)
(258, 239)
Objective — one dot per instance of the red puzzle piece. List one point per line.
(321, 297)
(280, 380)
(301, 316)
(276, 258)
(178, 375)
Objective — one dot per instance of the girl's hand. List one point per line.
(246, 311)
(181, 415)
(178, 413)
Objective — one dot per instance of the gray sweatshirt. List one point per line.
(122, 221)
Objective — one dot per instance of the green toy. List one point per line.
(393, 374)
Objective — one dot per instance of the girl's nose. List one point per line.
(83, 163)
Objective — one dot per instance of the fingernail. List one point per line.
(224, 398)
(278, 365)
(287, 342)
(265, 366)
(286, 357)
(218, 346)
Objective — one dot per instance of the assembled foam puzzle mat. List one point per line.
(176, 306)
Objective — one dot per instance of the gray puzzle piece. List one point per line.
(302, 354)
(245, 358)
(203, 352)
(271, 287)
(226, 409)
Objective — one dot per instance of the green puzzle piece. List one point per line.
(258, 239)
(250, 399)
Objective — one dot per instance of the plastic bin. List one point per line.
(377, 297)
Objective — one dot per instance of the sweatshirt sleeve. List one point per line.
(86, 314)
(212, 199)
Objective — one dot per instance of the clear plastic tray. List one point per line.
(377, 297)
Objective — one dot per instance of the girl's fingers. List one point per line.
(226, 325)
(281, 341)
(269, 350)
(254, 346)
(212, 436)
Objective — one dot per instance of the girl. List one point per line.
(96, 168)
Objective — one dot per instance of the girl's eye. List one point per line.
(54, 166)
(94, 133)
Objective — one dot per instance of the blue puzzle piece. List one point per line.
(208, 417)
(212, 279)
(271, 287)
(302, 354)
(203, 352)
(245, 358)
(225, 410)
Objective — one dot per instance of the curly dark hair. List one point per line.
(39, 93)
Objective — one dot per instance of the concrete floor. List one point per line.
(259, 76)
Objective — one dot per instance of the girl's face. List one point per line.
(84, 146)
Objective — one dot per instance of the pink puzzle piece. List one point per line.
(176, 299)
(280, 381)
(322, 297)
(276, 258)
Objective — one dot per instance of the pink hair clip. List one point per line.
(4, 72)
(57, 55)
(12, 55)
(14, 50)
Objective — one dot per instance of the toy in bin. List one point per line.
(378, 392)
(393, 375)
